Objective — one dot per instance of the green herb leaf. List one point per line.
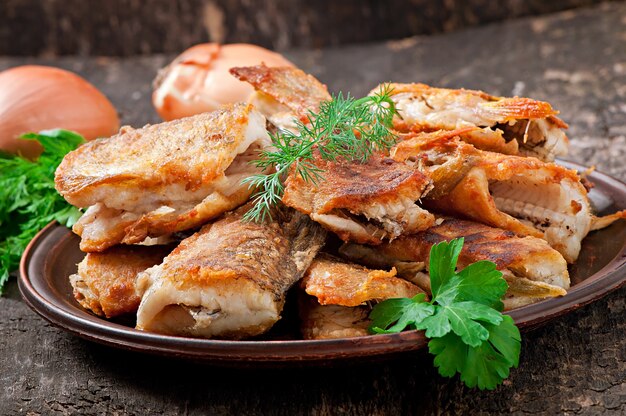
(468, 334)
(487, 365)
(506, 339)
(28, 200)
(484, 366)
(464, 318)
(481, 282)
(442, 263)
(450, 354)
(403, 313)
(56, 143)
(343, 127)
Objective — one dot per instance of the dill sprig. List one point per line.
(344, 127)
(28, 200)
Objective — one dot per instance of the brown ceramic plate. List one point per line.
(53, 254)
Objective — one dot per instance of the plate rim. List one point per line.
(610, 277)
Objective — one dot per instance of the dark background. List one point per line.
(140, 27)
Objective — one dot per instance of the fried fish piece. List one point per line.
(228, 280)
(526, 196)
(332, 321)
(334, 281)
(533, 270)
(105, 282)
(283, 93)
(505, 125)
(359, 202)
(163, 178)
(337, 293)
(441, 155)
(520, 194)
(362, 202)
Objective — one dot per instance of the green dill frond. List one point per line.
(342, 128)
(28, 199)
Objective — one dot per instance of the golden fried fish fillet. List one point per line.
(441, 155)
(334, 281)
(505, 125)
(105, 282)
(338, 291)
(526, 196)
(362, 202)
(520, 194)
(163, 178)
(332, 321)
(359, 202)
(228, 280)
(283, 93)
(533, 270)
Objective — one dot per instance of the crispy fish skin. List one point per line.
(380, 189)
(362, 202)
(533, 270)
(162, 178)
(441, 155)
(599, 223)
(336, 293)
(283, 93)
(228, 280)
(334, 281)
(520, 194)
(507, 125)
(332, 321)
(526, 196)
(105, 282)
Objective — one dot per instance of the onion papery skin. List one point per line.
(35, 98)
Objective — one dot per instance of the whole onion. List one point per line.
(34, 98)
(198, 80)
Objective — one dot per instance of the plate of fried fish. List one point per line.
(165, 258)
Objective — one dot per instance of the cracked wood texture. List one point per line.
(573, 365)
(113, 27)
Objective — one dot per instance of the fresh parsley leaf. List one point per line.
(442, 263)
(450, 354)
(468, 334)
(403, 313)
(484, 366)
(481, 282)
(506, 339)
(466, 319)
(28, 199)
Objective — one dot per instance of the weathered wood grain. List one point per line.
(574, 365)
(131, 27)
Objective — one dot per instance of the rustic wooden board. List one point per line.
(575, 365)
(131, 27)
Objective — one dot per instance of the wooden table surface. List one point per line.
(575, 364)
